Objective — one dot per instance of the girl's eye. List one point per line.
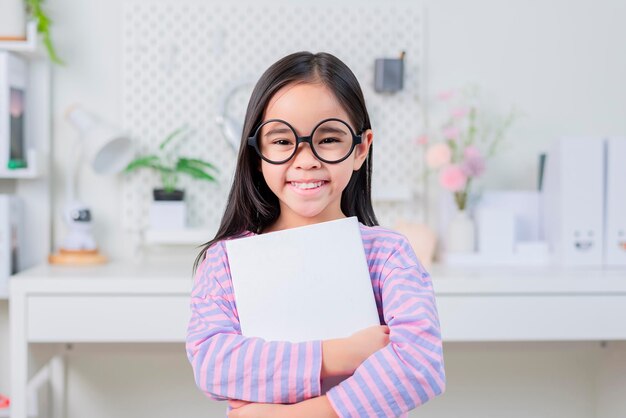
(281, 142)
(329, 140)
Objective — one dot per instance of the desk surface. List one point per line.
(475, 304)
(448, 280)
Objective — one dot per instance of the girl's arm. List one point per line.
(312, 408)
(228, 365)
(410, 370)
(338, 359)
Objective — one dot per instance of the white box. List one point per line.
(615, 211)
(573, 197)
(495, 231)
(524, 204)
(10, 236)
(166, 214)
(13, 91)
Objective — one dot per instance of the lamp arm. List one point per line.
(72, 172)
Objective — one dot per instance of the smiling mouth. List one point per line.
(309, 185)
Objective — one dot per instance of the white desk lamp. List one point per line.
(108, 151)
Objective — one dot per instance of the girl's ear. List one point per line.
(361, 150)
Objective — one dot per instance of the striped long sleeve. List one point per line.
(227, 365)
(409, 371)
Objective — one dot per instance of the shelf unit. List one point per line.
(32, 184)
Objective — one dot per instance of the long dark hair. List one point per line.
(251, 204)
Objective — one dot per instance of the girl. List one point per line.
(281, 182)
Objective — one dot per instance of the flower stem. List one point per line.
(460, 198)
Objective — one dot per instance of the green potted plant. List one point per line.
(34, 9)
(168, 209)
(13, 23)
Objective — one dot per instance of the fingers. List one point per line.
(236, 403)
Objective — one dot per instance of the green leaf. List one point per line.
(44, 24)
(197, 163)
(171, 136)
(194, 172)
(150, 161)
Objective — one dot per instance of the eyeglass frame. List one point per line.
(253, 141)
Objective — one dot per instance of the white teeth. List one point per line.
(307, 185)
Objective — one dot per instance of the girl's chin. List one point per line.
(308, 212)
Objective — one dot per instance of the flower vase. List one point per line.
(461, 233)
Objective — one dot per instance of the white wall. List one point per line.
(561, 62)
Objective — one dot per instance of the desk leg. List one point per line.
(18, 352)
(58, 385)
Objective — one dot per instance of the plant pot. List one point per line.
(461, 233)
(13, 20)
(168, 210)
(163, 195)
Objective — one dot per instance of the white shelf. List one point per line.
(481, 260)
(6, 412)
(34, 169)
(399, 193)
(28, 45)
(186, 236)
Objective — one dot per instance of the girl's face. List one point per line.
(303, 106)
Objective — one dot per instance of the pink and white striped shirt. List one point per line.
(405, 374)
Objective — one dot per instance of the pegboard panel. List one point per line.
(180, 58)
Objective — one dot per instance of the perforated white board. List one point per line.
(180, 57)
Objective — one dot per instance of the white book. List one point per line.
(303, 284)
(13, 85)
(10, 237)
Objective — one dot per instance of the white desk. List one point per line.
(122, 302)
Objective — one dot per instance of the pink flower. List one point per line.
(473, 162)
(438, 154)
(453, 178)
(460, 112)
(451, 132)
(422, 139)
(446, 95)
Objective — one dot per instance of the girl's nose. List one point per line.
(305, 158)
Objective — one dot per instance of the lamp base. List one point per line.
(77, 257)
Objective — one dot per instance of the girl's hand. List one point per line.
(367, 341)
(243, 409)
(236, 403)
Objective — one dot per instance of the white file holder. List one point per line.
(574, 201)
(615, 212)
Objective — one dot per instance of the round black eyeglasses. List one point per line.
(276, 141)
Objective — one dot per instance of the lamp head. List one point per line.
(108, 150)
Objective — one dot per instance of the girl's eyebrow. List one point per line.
(321, 129)
(331, 130)
(277, 131)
